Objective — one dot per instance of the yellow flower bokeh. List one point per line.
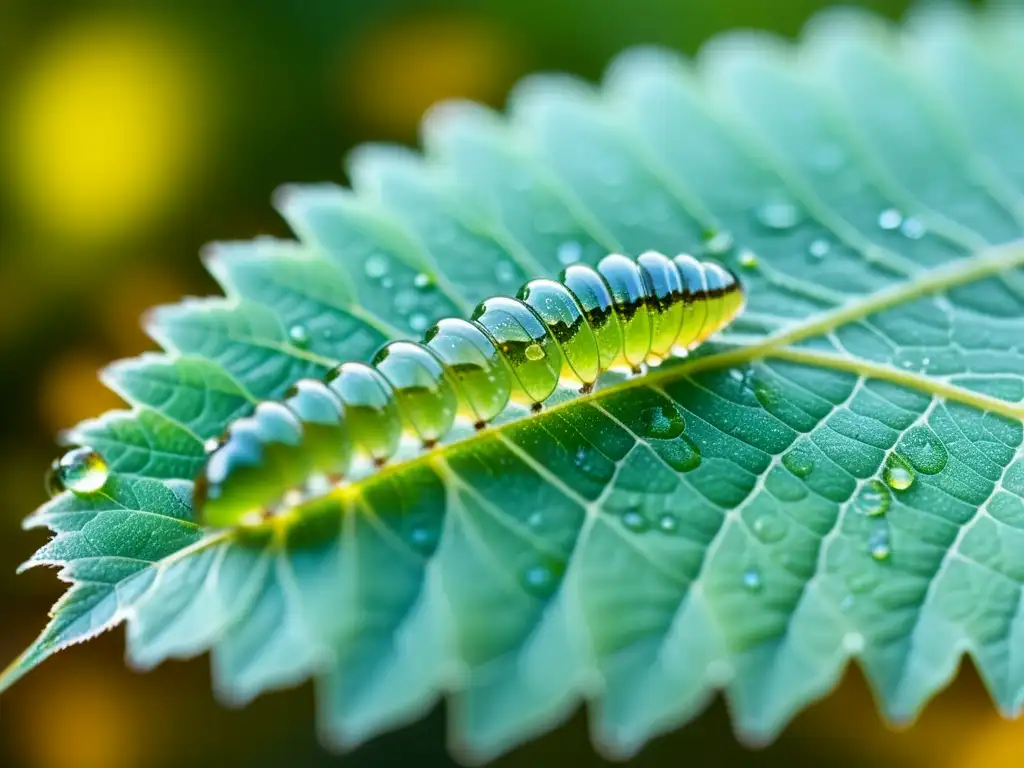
(104, 130)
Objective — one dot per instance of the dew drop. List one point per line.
(299, 336)
(534, 352)
(80, 470)
(770, 528)
(799, 461)
(913, 229)
(778, 215)
(748, 260)
(752, 580)
(422, 280)
(406, 301)
(878, 544)
(719, 243)
(634, 521)
(890, 219)
(818, 249)
(662, 423)
(668, 523)
(847, 603)
(681, 454)
(423, 537)
(872, 499)
(853, 642)
(535, 520)
(211, 445)
(418, 322)
(897, 473)
(387, 282)
(539, 579)
(505, 272)
(376, 266)
(569, 252)
(923, 449)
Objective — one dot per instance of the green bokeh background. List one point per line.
(131, 133)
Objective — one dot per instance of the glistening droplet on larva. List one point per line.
(897, 473)
(624, 313)
(81, 471)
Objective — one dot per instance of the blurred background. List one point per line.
(133, 132)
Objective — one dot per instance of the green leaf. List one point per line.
(837, 477)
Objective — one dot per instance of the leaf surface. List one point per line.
(739, 521)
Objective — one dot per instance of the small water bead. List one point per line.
(923, 449)
(668, 523)
(878, 544)
(890, 219)
(298, 335)
(778, 214)
(913, 229)
(80, 470)
(376, 266)
(387, 282)
(539, 579)
(853, 642)
(210, 445)
(535, 520)
(819, 248)
(406, 301)
(720, 243)
(873, 499)
(423, 538)
(422, 280)
(748, 260)
(799, 460)
(569, 253)
(897, 473)
(418, 322)
(633, 520)
(752, 581)
(534, 352)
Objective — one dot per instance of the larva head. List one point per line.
(252, 467)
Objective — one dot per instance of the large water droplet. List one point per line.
(298, 335)
(719, 243)
(878, 544)
(818, 249)
(923, 449)
(662, 423)
(681, 454)
(376, 266)
(569, 252)
(634, 521)
(778, 214)
(890, 219)
(897, 473)
(752, 580)
(770, 527)
(534, 352)
(872, 499)
(80, 470)
(799, 460)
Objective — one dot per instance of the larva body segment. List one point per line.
(621, 314)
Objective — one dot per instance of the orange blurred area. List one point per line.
(398, 70)
(133, 133)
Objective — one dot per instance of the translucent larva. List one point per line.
(620, 315)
